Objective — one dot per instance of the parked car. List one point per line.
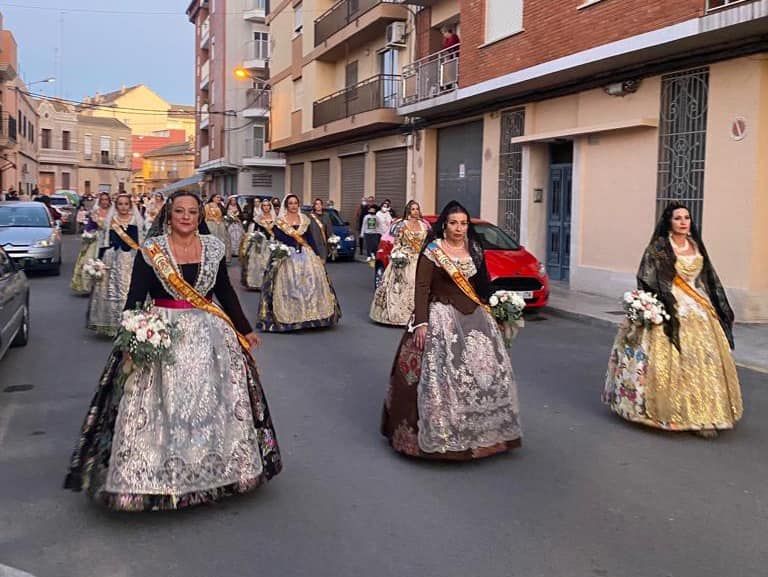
(68, 210)
(29, 236)
(342, 230)
(14, 305)
(510, 266)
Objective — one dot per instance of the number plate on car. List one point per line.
(525, 294)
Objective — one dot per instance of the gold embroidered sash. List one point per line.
(161, 263)
(290, 231)
(456, 275)
(691, 292)
(411, 240)
(124, 236)
(320, 225)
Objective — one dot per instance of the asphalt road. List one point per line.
(587, 495)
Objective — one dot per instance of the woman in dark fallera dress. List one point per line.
(452, 392)
(296, 293)
(193, 429)
(256, 251)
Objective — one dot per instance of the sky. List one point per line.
(151, 42)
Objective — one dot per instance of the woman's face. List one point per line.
(232, 203)
(276, 204)
(681, 221)
(216, 198)
(266, 207)
(292, 205)
(104, 201)
(185, 215)
(414, 211)
(123, 205)
(456, 226)
(318, 206)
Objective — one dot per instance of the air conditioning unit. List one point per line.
(396, 34)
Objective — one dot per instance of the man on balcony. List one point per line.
(450, 40)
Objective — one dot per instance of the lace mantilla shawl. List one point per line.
(210, 258)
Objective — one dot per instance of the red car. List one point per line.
(510, 266)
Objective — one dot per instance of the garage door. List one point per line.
(297, 180)
(352, 185)
(321, 179)
(460, 165)
(391, 178)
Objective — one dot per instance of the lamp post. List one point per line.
(49, 80)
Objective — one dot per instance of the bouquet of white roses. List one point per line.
(334, 242)
(94, 268)
(229, 219)
(146, 336)
(89, 236)
(507, 308)
(643, 308)
(278, 250)
(398, 258)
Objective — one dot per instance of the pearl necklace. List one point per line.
(680, 249)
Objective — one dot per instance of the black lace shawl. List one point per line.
(657, 274)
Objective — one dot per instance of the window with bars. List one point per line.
(511, 172)
(683, 140)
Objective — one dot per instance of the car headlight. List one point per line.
(542, 269)
(46, 242)
(349, 238)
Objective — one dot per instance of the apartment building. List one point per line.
(571, 123)
(232, 45)
(167, 165)
(336, 81)
(144, 143)
(58, 148)
(104, 146)
(22, 171)
(8, 128)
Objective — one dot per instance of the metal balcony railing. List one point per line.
(431, 76)
(382, 91)
(341, 14)
(257, 50)
(258, 98)
(7, 129)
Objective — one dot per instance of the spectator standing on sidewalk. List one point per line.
(370, 235)
(383, 219)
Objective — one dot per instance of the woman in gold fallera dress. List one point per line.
(256, 247)
(93, 232)
(214, 219)
(234, 223)
(393, 301)
(678, 376)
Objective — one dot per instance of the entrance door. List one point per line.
(460, 166)
(559, 221)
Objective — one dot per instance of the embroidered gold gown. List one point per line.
(650, 381)
(256, 254)
(89, 248)
(214, 218)
(393, 300)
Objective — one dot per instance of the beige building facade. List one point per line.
(59, 149)
(104, 155)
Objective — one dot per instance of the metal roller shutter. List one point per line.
(297, 180)
(352, 185)
(391, 178)
(321, 179)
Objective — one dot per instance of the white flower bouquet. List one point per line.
(145, 336)
(89, 236)
(94, 268)
(334, 242)
(398, 258)
(278, 250)
(507, 308)
(643, 308)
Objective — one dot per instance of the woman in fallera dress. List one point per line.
(296, 292)
(256, 251)
(193, 429)
(680, 375)
(123, 233)
(452, 392)
(89, 247)
(394, 297)
(214, 219)
(234, 225)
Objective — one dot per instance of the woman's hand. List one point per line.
(253, 339)
(420, 337)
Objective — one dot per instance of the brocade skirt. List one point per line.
(108, 295)
(81, 283)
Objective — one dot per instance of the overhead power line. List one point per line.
(108, 12)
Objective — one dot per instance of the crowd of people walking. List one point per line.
(192, 425)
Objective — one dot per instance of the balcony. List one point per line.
(334, 33)
(205, 154)
(256, 54)
(57, 155)
(205, 117)
(377, 92)
(258, 101)
(255, 154)
(205, 33)
(205, 75)
(7, 130)
(255, 10)
(431, 76)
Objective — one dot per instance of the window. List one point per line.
(65, 179)
(46, 143)
(121, 149)
(105, 143)
(298, 17)
(712, 4)
(260, 45)
(31, 132)
(213, 48)
(350, 74)
(298, 94)
(502, 18)
(257, 143)
(87, 185)
(65, 142)
(88, 146)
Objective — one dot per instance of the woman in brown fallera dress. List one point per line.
(452, 392)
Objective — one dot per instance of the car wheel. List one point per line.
(378, 275)
(22, 337)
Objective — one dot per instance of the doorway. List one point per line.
(559, 207)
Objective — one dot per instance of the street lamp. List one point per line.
(49, 80)
(241, 73)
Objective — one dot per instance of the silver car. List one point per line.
(29, 236)
(14, 305)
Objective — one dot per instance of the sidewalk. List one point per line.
(751, 339)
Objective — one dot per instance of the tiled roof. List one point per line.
(101, 121)
(170, 149)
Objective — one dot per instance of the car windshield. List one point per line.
(59, 200)
(29, 216)
(493, 238)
